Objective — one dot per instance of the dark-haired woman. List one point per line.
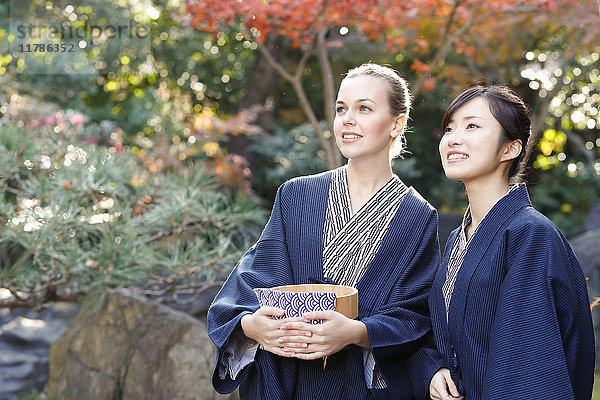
(359, 226)
(509, 304)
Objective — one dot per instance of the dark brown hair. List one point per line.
(512, 114)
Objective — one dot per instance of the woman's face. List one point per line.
(472, 147)
(363, 124)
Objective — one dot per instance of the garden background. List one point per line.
(150, 162)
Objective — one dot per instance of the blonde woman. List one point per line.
(357, 225)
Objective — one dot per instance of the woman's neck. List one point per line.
(482, 197)
(368, 176)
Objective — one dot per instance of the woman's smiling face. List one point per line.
(364, 125)
(472, 147)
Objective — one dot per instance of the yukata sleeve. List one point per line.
(266, 264)
(537, 313)
(399, 329)
(238, 353)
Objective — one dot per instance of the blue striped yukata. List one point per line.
(510, 308)
(459, 249)
(393, 289)
(352, 241)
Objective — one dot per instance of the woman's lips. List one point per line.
(349, 137)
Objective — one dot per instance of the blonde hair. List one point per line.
(397, 93)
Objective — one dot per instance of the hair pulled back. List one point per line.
(398, 95)
(512, 114)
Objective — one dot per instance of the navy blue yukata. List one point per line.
(518, 325)
(392, 293)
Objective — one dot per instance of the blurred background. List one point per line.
(142, 141)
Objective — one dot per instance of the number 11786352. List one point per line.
(47, 48)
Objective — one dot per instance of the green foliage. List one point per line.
(165, 95)
(569, 208)
(566, 160)
(422, 167)
(79, 217)
(147, 87)
(33, 395)
(285, 154)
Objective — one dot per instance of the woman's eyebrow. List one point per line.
(357, 101)
(470, 117)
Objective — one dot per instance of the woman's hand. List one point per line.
(266, 331)
(442, 386)
(334, 333)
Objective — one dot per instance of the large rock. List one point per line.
(25, 338)
(128, 347)
(587, 248)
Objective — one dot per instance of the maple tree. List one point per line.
(431, 30)
(554, 38)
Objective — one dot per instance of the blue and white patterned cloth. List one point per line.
(350, 243)
(393, 301)
(296, 304)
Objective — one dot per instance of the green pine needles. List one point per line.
(80, 217)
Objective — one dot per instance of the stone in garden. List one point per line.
(128, 347)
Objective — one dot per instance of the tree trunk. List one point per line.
(333, 157)
(328, 93)
(260, 85)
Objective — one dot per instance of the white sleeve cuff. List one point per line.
(373, 377)
(238, 353)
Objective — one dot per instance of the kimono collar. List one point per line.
(498, 217)
(468, 219)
